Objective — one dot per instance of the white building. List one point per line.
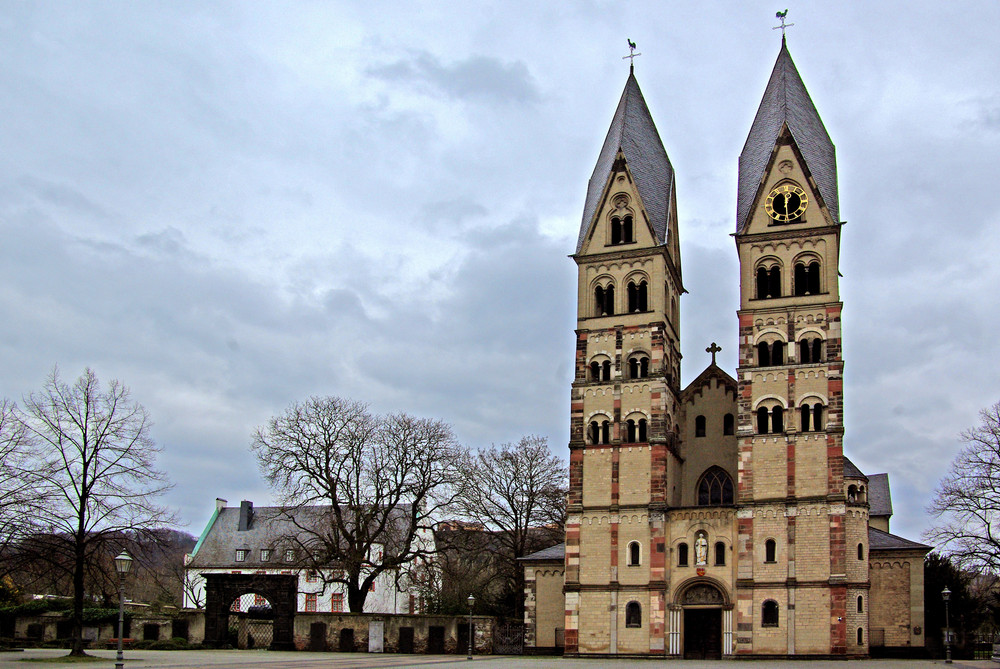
(248, 540)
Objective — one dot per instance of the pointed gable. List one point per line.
(786, 103)
(634, 134)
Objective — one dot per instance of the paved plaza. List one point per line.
(238, 659)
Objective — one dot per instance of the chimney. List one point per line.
(220, 504)
(246, 515)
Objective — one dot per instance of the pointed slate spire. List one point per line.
(634, 134)
(786, 103)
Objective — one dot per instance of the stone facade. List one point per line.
(721, 519)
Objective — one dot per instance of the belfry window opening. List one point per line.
(806, 278)
(810, 350)
(635, 431)
(600, 432)
(621, 230)
(811, 418)
(637, 297)
(773, 419)
(770, 353)
(638, 367)
(768, 282)
(604, 300)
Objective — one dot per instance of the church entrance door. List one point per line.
(702, 634)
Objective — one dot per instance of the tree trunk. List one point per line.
(78, 570)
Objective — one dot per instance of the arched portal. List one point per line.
(222, 591)
(701, 623)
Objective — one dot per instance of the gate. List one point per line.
(508, 638)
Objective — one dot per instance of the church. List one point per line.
(721, 519)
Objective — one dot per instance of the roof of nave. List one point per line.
(634, 134)
(557, 552)
(270, 527)
(884, 541)
(713, 371)
(786, 102)
(879, 498)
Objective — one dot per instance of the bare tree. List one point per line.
(517, 492)
(967, 503)
(95, 469)
(361, 490)
(18, 494)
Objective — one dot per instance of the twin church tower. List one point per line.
(722, 518)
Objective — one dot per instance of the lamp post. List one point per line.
(472, 602)
(946, 595)
(123, 562)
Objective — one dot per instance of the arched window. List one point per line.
(852, 494)
(764, 354)
(861, 637)
(715, 487)
(777, 420)
(600, 432)
(606, 370)
(729, 424)
(768, 282)
(638, 366)
(635, 431)
(861, 604)
(817, 417)
(806, 277)
(633, 615)
(720, 554)
(805, 412)
(637, 297)
(616, 230)
(770, 353)
(604, 300)
(682, 555)
(810, 350)
(769, 614)
(633, 554)
(861, 553)
(770, 551)
(621, 230)
(762, 420)
(699, 426)
(595, 371)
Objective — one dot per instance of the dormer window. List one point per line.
(241, 555)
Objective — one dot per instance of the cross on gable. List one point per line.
(713, 349)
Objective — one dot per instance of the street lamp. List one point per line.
(122, 564)
(946, 595)
(472, 602)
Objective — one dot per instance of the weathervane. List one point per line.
(631, 54)
(781, 16)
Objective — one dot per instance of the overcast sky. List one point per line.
(233, 206)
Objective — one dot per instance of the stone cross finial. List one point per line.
(713, 349)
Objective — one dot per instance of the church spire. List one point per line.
(786, 106)
(633, 134)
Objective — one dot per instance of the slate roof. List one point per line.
(270, 527)
(786, 101)
(557, 552)
(634, 133)
(883, 541)
(851, 470)
(879, 499)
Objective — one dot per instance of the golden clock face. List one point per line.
(786, 203)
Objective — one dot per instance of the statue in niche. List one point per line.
(701, 549)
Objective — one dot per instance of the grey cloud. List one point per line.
(475, 77)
